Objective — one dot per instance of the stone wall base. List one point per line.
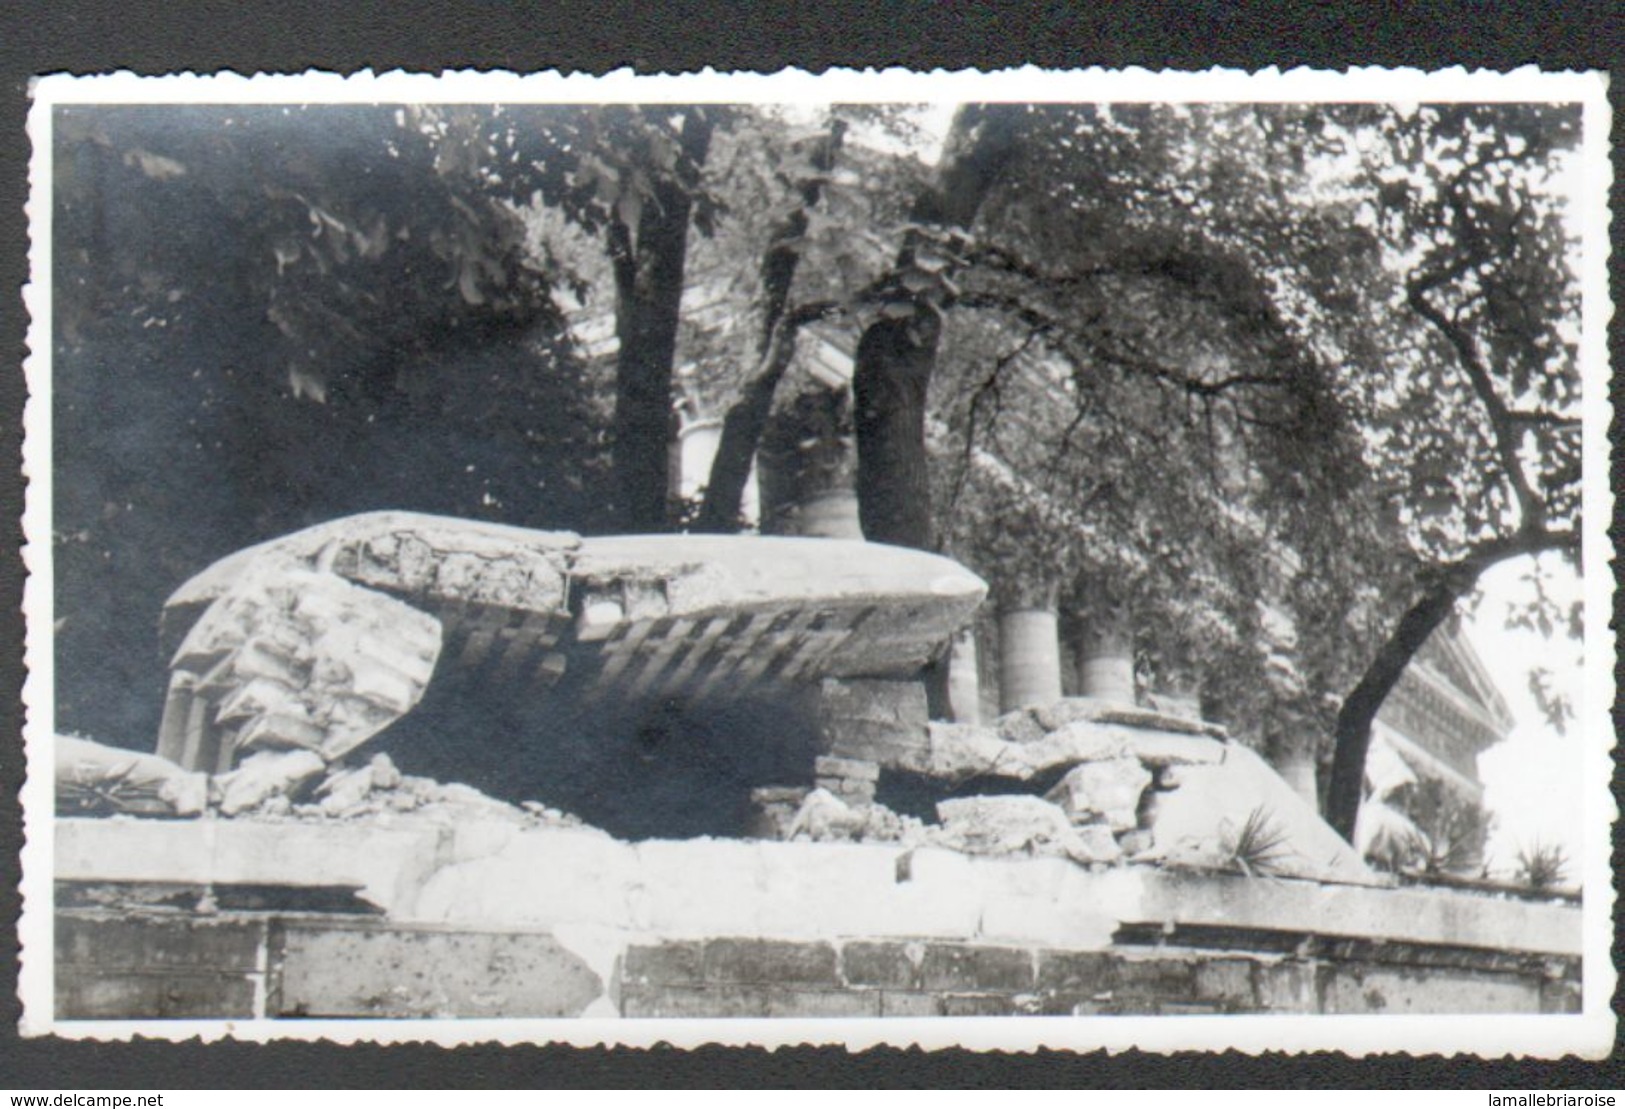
(252, 966)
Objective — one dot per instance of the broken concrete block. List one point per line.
(345, 790)
(288, 729)
(1099, 844)
(831, 766)
(267, 774)
(1108, 792)
(1016, 824)
(849, 790)
(302, 659)
(774, 810)
(258, 657)
(1161, 749)
(384, 773)
(254, 698)
(1080, 741)
(93, 778)
(1136, 842)
(823, 817)
(1020, 726)
(1200, 821)
(1067, 710)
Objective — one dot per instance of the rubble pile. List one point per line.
(288, 656)
(1135, 785)
(93, 779)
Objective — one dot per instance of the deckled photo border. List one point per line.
(1589, 1033)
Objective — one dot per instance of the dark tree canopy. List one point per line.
(1276, 382)
(265, 317)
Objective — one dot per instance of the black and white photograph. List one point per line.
(994, 560)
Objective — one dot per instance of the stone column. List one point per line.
(806, 467)
(1296, 764)
(1106, 660)
(1029, 657)
(964, 683)
(694, 451)
(830, 514)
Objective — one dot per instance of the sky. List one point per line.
(1532, 780)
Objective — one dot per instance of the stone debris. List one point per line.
(1020, 726)
(1057, 715)
(852, 780)
(294, 659)
(958, 751)
(93, 778)
(266, 775)
(379, 788)
(1138, 784)
(1018, 824)
(774, 810)
(1107, 792)
(824, 818)
(288, 656)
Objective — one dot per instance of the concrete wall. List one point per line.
(504, 919)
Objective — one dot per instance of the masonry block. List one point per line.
(150, 944)
(973, 967)
(401, 972)
(1227, 981)
(1354, 988)
(747, 1001)
(978, 1005)
(665, 964)
(1085, 973)
(692, 1001)
(823, 1003)
(1560, 995)
(1287, 987)
(879, 964)
(882, 722)
(831, 766)
(1173, 979)
(85, 992)
(776, 962)
(903, 1003)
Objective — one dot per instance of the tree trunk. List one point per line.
(1346, 789)
(743, 424)
(889, 381)
(898, 353)
(649, 288)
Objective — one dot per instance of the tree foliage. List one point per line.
(1278, 381)
(270, 316)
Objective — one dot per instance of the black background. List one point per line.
(88, 36)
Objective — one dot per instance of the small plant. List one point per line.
(1542, 866)
(1259, 847)
(115, 793)
(1440, 833)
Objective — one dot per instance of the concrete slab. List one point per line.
(702, 888)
